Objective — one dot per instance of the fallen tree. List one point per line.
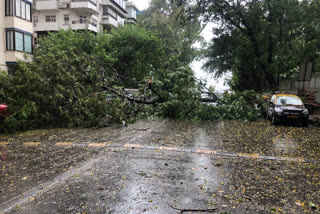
(72, 73)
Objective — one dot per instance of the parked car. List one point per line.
(287, 108)
(4, 110)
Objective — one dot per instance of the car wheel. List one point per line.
(273, 120)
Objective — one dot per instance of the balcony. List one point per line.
(109, 20)
(46, 26)
(84, 24)
(89, 6)
(46, 5)
(75, 25)
(131, 21)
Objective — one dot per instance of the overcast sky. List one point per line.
(196, 66)
(141, 4)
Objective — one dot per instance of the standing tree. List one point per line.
(259, 41)
(178, 35)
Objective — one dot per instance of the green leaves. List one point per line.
(72, 73)
(60, 87)
(136, 53)
(260, 42)
(167, 21)
(237, 106)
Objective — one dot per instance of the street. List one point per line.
(162, 166)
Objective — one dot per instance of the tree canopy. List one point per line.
(259, 41)
(178, 36)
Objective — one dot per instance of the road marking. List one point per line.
(168, 148)
(220, 154)
(301, 160)
(133, 146)
(164, 148)
(31, 144)
(246, 155)
(108, 143)
(97, 145)
(203, 151)
(66, 144)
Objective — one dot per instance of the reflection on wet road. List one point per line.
(285, 145)
(151, 166)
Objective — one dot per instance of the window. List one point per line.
(112, 13)
(284, 100)
(23, 9)
(50, 18)
(132, 13)
(121, 3)
(35, 21)
(83, 19)
(28, 43)
(9, 8)
(18, 41)
(19, 8)
(120, 20)
(66, 19)
(94, 22)
(105, 10)
(10, 46)
(28, 15)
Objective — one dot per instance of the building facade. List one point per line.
(113, 14)
(16, 32)
(94, 15)
(53, 15)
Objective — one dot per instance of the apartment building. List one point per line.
(94, 15)
(53, 15)
(16, 32)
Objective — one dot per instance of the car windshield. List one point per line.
(284, 101)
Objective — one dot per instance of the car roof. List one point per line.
(286, 95)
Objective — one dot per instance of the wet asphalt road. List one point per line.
(244, 168)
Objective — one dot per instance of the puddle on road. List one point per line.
(206, 175)
(284, 145)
